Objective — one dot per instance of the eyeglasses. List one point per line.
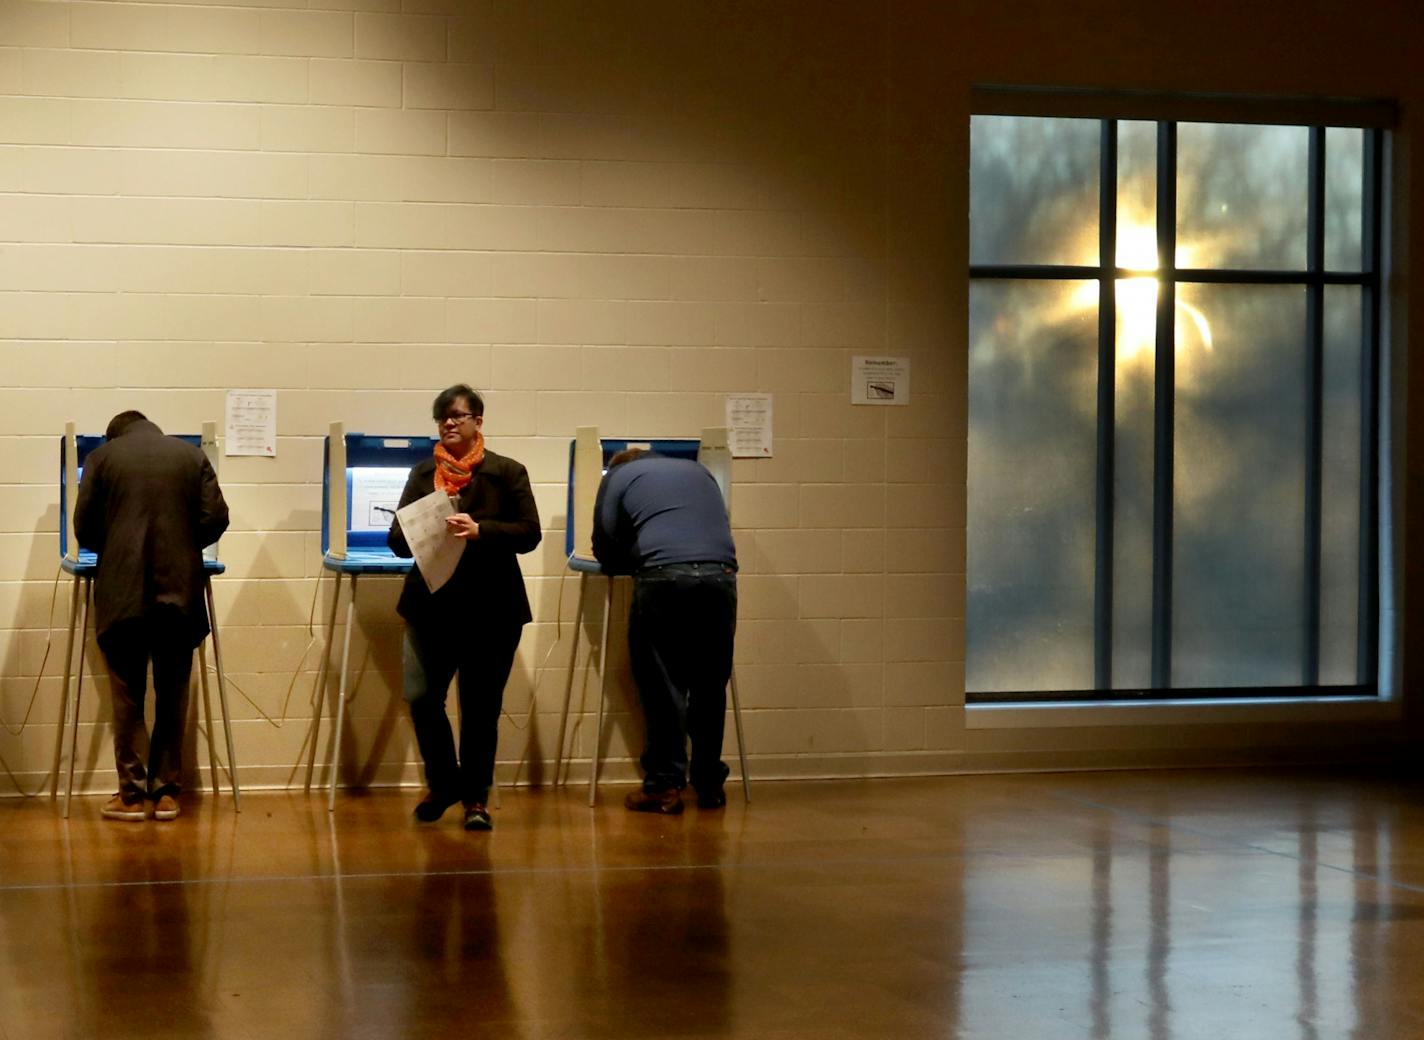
(456, 417)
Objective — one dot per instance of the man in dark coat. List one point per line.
(148, 505)
(664, 521)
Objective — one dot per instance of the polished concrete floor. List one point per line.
(1213, 904)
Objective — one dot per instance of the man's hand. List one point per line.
(461, 526)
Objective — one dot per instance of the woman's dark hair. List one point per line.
(451, 394)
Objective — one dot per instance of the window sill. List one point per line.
(1235, 711)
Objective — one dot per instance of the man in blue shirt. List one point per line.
(664, 521)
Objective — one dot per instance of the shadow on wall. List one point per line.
(31, 673)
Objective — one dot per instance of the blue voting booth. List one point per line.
(372, 471)
(361, 482)
(678, 448)
(83, 564)
(589, 454)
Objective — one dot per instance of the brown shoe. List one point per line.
(118, 809)
(165, 808)
(668, 801)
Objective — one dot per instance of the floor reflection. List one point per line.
(137, 944)
(1155, 905)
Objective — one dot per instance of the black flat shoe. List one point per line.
(667, 802)
(711, 799)
(432, 807)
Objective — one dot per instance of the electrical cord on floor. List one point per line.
(296, 672)
(39, 675)
(543, 667)
(16, 731)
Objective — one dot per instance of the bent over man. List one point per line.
(148, 505)
(664, 521)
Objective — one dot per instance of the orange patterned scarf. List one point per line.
(452, 474)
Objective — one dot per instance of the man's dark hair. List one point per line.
(121, 422)
(451, 394)
(627, 455)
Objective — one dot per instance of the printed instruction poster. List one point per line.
(251, 423)
(749, 426)
(879, 380)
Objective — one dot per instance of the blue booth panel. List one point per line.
(376, 471)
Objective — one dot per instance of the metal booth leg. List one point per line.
(569, 686)
(64, 690)
(741, 740)
(341, 693)
(323, 675)
(222, 706)
(208, 716)
(78, 688)
(602, 695)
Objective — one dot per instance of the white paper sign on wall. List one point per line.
(879, 380)
(749, 426)
(252, 423)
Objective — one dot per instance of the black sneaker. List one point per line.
(477, 818)
(712, 798)
(432, 807)
(668, 801)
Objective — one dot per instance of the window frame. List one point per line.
(1166, 112)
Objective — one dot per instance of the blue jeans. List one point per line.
(681, 630)
(482, 658)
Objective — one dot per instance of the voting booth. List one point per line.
(588, 461)
(361, 484)
(83, 564)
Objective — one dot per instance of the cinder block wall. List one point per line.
(610, 213)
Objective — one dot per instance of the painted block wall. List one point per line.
(598, 213)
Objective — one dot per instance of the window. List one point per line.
(1173, 355)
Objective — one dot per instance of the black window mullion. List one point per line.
(1367, 609)
(1315, 405)
(1163, 411)
(1107, 421)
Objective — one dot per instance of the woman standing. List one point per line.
(471, 625)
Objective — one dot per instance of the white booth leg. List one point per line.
(341, 693)
(741, 740)
(323, 676)
(78, 689)
(569, 685)
(64, 690)
(222, 705)
(208, 717)
(602, 695)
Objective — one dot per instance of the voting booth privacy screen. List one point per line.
(374, 474)
(677, 448)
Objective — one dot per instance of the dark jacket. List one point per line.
(487, 586)
(148, 504)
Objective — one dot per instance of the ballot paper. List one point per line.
(437, 551)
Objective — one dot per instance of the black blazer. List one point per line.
(487, 584)
(148, 504)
